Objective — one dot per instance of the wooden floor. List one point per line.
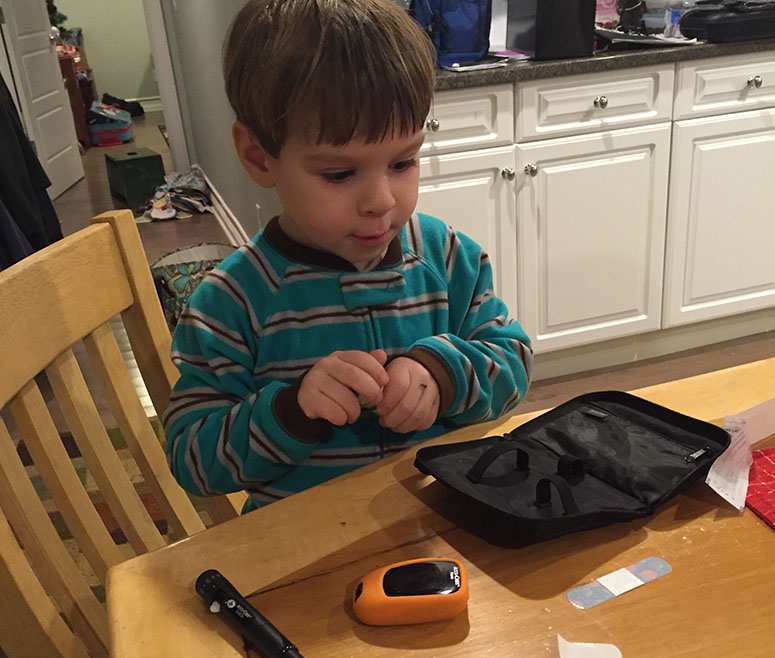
(92, 196)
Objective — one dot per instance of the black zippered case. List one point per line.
(598, 458)
(730, 20)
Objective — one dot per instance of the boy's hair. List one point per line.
(333, 68)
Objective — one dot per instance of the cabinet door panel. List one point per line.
(725, 84)
(469, 192)
(591, 234)
(555, 107)
(721, 239)
(467, 119)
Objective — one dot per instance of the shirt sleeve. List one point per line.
(483, 364)
(224, 432)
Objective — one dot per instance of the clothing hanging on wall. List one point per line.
(23, 182)
(13, 245)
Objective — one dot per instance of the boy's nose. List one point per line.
(377, 198)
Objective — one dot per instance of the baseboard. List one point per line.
(150, 104)
(653, 344)
(234, 231)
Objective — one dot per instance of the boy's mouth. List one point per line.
(371, 239)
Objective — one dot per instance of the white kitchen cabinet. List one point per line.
(471, 192)
(591, 227)
(720, 256)
(575, 104)
(721, 85)
(467, 119)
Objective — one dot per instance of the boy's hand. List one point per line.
(410, 401)
(331, 388)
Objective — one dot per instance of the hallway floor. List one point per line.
(91, 196)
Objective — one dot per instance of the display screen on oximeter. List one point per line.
(412, 592)
(436, 577)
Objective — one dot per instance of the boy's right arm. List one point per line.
(226, 434)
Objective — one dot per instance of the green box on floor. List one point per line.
(134, 173)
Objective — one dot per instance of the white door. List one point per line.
(591, 225)
(720, 256)
(44, 102)
(469, 192)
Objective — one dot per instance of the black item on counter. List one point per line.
(599, 458)
(732, 20)
(551, 29)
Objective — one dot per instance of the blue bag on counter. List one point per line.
(459, 29)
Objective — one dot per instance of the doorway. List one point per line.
(117, 44)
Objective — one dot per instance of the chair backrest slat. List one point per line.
(140, 438)
(76, 284)
(48, 452)
(146, 327)
(25, 605)
(88, 430)
(53, 564)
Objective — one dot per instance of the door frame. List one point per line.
(165, 78)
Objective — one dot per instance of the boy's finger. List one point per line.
(360, 381)
(345, 400)
(336, 404)
(404, 408)
(423, 416)
(380, 356)
(367, 362)
(394, 391)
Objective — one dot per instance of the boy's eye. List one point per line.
(338, 176)
(403, 165)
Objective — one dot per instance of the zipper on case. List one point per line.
(594, 412)
(696, 455)
(638, 423)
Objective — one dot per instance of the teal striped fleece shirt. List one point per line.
(261, 320)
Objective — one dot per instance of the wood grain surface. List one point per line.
(299, 560)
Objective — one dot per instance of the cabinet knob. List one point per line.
(754, 81)
(508, 173)
(433, 125)
(531, 169)
(601, 102)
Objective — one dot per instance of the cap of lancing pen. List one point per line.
(412, 592)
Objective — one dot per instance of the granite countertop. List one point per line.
(608, 61)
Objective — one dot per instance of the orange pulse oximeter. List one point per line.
(412, 592)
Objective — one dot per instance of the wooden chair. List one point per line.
(63, 294)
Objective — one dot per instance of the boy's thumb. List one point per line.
(380, 356)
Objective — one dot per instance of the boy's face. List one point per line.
(349, 200)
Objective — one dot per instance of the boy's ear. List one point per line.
(252, 155)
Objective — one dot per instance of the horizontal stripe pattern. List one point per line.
(261, 321)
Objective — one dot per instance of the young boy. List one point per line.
(349, 328)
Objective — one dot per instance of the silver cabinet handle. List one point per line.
(601, 102)
(433, 125)
(754, 81)
(531, 169)
(508, 173)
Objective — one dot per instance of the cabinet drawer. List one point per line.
(721, 85)
(466, 119)
(588, 103)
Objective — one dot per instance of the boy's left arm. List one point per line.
(484, 362)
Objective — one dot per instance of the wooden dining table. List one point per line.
(299, 560)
